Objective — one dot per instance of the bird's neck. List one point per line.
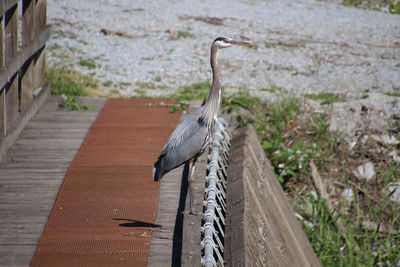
(213, 99)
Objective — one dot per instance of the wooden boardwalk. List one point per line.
(34, 168)
(166, 248)
(32, 172)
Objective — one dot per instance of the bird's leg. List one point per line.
(192, 164)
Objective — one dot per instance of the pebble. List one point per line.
(348, 194)
(395, 156)
(386, 139)
(365, 171)
(395, 196)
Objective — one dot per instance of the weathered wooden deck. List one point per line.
(34, 168)
(32, 172)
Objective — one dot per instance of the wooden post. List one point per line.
(27, 73)
(3, 126)
(39, 26)
(11, 49)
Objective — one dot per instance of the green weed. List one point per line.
(149, 85)
(182, 106)
(71, 85)
(394, 7)
(326, 98)
(88, 62)
(368, 4)
(193, 92)
(107, 83)
(185, 34)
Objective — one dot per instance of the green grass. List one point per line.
(392, 6)
(108, 83)
(326, 98)
(147, 85)
(185, 34)
(197, 91)
(291, 137)
(61, 81)
(395, 92)
(71, 85)
(88, 63)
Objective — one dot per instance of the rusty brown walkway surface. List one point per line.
(32, 171)
(106, 207)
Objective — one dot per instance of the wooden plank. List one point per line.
(27, 73)
(39, 26)
(7, 4)
(40, 16)
(28, 22)
(3, 125)
(166, 246)
(11, 257)
(162, 241)
(3, 115)
(2, 27)
(55, 133)
(23, 119)
(261, 229)
(191, 247)
(11, 49)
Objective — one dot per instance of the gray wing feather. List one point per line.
(185, 132)
(188, 140)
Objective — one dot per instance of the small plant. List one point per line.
(145, 85)
(326, 98)
(70, 85)
(193, 92)
(184, 34)
(367, 4)
(148, 85)
(71, 102)
(88, 62)
(394, 7)
(107, 83)
(182, 105)
(352, 2)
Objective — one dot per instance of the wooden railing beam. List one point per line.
(22, 56)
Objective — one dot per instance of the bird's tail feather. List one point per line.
(157, 174)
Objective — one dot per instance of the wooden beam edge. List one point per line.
(22, 56)
(246, 158)
(6, 5)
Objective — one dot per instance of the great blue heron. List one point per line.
(191, 137)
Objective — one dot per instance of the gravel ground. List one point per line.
(156, 47)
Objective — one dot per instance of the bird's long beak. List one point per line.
(234, 42)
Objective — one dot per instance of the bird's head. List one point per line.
(224, 42)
